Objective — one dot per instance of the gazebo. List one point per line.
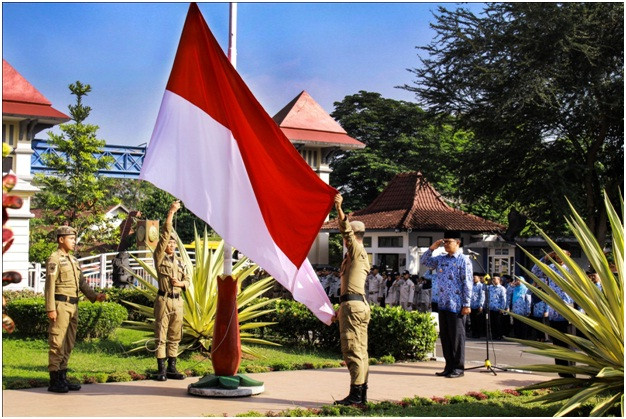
(407, 217)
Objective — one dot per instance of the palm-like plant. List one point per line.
(200, 298)
(599, 355)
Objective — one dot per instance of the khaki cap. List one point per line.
(357, 226)
(65, 231)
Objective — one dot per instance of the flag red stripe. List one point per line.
(293, 200)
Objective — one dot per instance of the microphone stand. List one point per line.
(490, 368)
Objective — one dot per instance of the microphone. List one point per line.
(471, 252)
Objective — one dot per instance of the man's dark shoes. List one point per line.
(56, 384)
(160, 375)
(455, 374)
(442, 373)
(172, 372)
(355, 396)
(70, 386)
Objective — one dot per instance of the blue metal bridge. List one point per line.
(127, 159)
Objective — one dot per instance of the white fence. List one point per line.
(97, 270)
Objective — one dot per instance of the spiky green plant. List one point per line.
(599, 355)
(200, 298)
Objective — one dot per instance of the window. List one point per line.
(390, 241)
(501, 252)
(367, 241)
(423, 241)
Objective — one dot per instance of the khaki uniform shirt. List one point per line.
(356, 265)
(169, 268)
(63, 276)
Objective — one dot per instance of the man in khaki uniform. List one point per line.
(168, 305)
(63, 281)
(354, 311)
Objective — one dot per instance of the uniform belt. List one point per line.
(66, 299)
(169, 294)
(351, 297)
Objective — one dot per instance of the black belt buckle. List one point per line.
(66, 299)
(351, 297)
(168, 294)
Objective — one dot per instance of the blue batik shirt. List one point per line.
(454, 279)
(497, 297)
(478, 296)
(521, 301)
(553, 315)
(540, 309)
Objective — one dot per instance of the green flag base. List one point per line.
(226, 382)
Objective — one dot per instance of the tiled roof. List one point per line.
(409, 201)
(20, 98)
(304, 120)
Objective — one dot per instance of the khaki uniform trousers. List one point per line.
(168, 325)
(62, 335)
(354, 316)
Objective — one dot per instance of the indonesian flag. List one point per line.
(218, 151)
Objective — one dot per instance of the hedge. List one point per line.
(97, 320)
(134, 295)
(392, 331)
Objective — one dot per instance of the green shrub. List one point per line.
(133, 295)
(296, 325)
(19, 294)
(94, 320)
(400, 333)
(387, 359)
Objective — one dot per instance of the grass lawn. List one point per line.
(497, 404)
(25, 360)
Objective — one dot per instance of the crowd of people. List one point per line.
(497, 295)
(410, 292)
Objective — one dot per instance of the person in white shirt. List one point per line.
(373, 285)
(407, 291)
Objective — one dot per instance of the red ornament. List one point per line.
(226, 345)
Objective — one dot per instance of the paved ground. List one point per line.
(283, 390)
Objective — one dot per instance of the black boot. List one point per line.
(160, 375)
(171, 369)
(70, 386)
(56, 384)
(355, 396)
(364, 393)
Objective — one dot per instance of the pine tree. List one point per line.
(74, 194)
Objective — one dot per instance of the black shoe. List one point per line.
(364, 393)
(442, 373)
(70, 386)
(455, 374)
(355, 396)
(160, 375)
(172, 372)
(56, 384)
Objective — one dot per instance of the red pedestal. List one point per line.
(226, 345)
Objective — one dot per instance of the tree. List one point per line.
(541, 87)
(399, 137)
(74, 194)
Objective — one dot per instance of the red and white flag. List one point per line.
(216, 149)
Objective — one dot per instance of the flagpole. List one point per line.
(232, 56)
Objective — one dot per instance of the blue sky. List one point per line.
(125, 52)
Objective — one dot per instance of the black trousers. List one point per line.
(477, 320)
(452, 335)
(495, 320)
(563, 327)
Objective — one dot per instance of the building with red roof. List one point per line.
(25, 112)
(407, 217)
